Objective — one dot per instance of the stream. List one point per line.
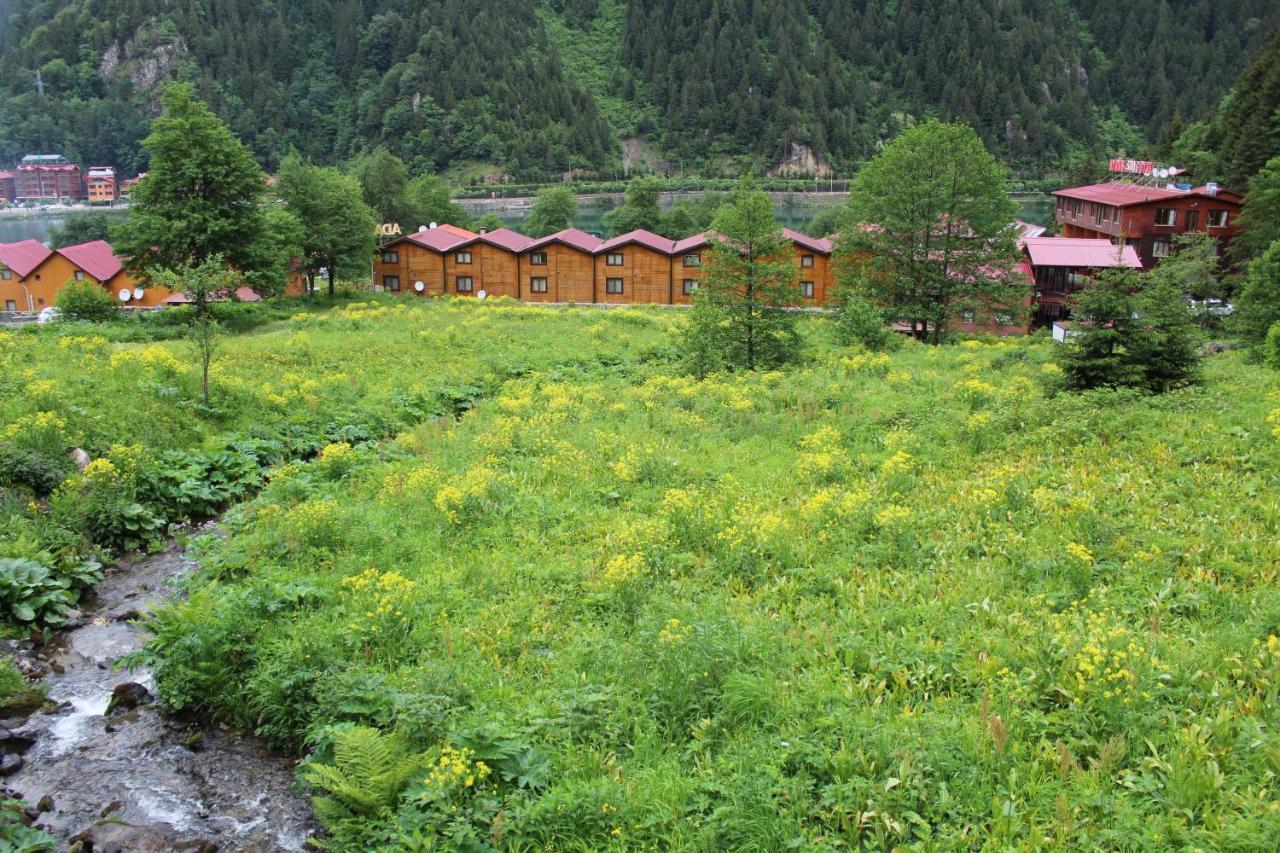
(135, 780)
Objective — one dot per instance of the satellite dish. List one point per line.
(1163, 173)
(125, 294)
(419, 286)
(481, 295)
(421, 228)
(137, 293)
(432, 225)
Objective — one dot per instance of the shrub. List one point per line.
(33, 469)
(83, 300)
(1271, 350)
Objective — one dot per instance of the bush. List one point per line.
(82, 300)
(1271, 350)
(861, 321)
(32, 468)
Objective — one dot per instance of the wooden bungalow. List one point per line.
(814, 278)
(489, 263)
(634, 268)
(560, 268)
(418, 263)
(97, 262)
(688, 259)
(23, 285)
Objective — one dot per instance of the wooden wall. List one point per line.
(569, 273)
(645, 274)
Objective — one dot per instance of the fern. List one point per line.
(369, 772)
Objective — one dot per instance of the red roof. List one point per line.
(813, 244)
(24, 256)
(571, 237)
(244, 294)
(96, 257)
(696, 241)
(454, 229)
(640, 237)
(1124, 195)
(49, 167)
(439, 239)
(1094, 253)
(4, 175)
(505, 238)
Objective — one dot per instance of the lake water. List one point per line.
(1032, 208)
(1037, 208)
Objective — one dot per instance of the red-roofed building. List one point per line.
(1061, 266)
(48, 177)
(634, 267)
(23, 287)
(100, 185)
(8, 186)
(1147, 217)
(560, 267)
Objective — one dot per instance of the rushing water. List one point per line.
(136, 780)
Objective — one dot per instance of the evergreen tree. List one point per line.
(928, 221)
(201, 195)
(554, 209)
(738, 319)
(1258, 304)
(1248, 125)
(1260, 218)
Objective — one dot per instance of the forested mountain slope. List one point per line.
(540, 88)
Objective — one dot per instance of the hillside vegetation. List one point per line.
(541, 89)
(873, 600)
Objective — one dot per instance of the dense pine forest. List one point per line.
(534, 90)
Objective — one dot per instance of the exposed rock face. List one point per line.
(800, 162)
(146, 58)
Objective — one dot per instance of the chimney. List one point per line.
(1212, 189)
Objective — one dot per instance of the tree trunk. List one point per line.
(333, 275)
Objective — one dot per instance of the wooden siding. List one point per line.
(645, 274)
(413, 263)
(569, 273)
(47, 280)
(1136, 223)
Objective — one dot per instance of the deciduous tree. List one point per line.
(928, 222)
(554, 209)
(337, 226)
(201, 197)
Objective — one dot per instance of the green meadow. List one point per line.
(511, 580)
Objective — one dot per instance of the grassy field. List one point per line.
(874, 601)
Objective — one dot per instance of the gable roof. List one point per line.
(1094, 253)
(640, 237)
(1023, 231)
(504, 238)
(454, 229)
(437, 239)
(1126, 195)
(571, 237)
(24, 256)
(814, 244)
(96, 257)
(695, 241)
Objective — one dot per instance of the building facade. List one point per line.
(1147, 218)
(1062, 266)
(48, 177)
(100, 185)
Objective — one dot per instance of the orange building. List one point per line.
(23, 286)
(98, 263)
(488, 264)
(814, 277)
(100, 184)
(560, 268)
(417, 263)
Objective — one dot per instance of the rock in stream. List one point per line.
(132, 779)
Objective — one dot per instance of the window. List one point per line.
(806, 289)
(1077, 207)
(538, 284)
(6, 274)
(464, 284)
(463, 257)
(1217, 219)
(806, 260)
(391, 282)
(1166, 216)
(968, 316)
(79, 275)
(693, 259)
(613, 285)
(1160, 248)
(391, 256)
(689, 286)
(613, 259)
(538, 259)
(10, 305)
(1193, 219)
(1004, 319)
